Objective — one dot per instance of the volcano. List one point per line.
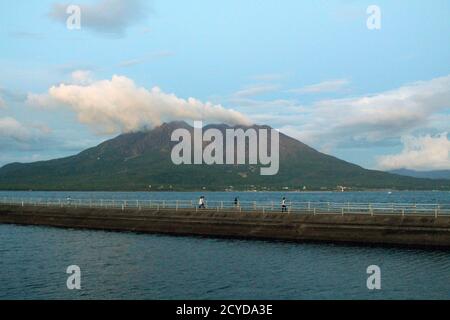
(141, 161)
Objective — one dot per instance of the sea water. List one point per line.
(121, 265)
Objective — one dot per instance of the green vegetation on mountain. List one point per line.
(141, 161)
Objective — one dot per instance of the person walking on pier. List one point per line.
(236, 202)
(201, 203)
(283, 205)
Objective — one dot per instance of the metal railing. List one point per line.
(242, 206)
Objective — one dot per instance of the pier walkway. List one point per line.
(424, 225)
(315, 208)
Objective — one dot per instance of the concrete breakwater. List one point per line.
(385, 229)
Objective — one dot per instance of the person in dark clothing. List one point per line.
(236, 202)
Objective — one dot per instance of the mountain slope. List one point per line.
(136, 161)
(435, 174)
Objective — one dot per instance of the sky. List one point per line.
(379, 97)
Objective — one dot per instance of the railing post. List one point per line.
(176, 208)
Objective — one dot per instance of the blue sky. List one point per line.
(378, 98)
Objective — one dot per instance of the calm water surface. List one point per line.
(33, 261)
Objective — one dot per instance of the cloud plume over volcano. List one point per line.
(119, 105)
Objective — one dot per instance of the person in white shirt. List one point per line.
(201, 202)
(283, 205)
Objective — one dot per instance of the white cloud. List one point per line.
(10, 128)
(15, 135)
(105, 16)
(420, 153)
(70, 67)
(42, 101)
(276, 103)
(374, 118)
(255, 90)
(2, 102)
(326, 86)
(118, 105)
(82, 77)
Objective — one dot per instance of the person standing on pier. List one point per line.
(283, 205)
(236, 202)
(201, 203)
